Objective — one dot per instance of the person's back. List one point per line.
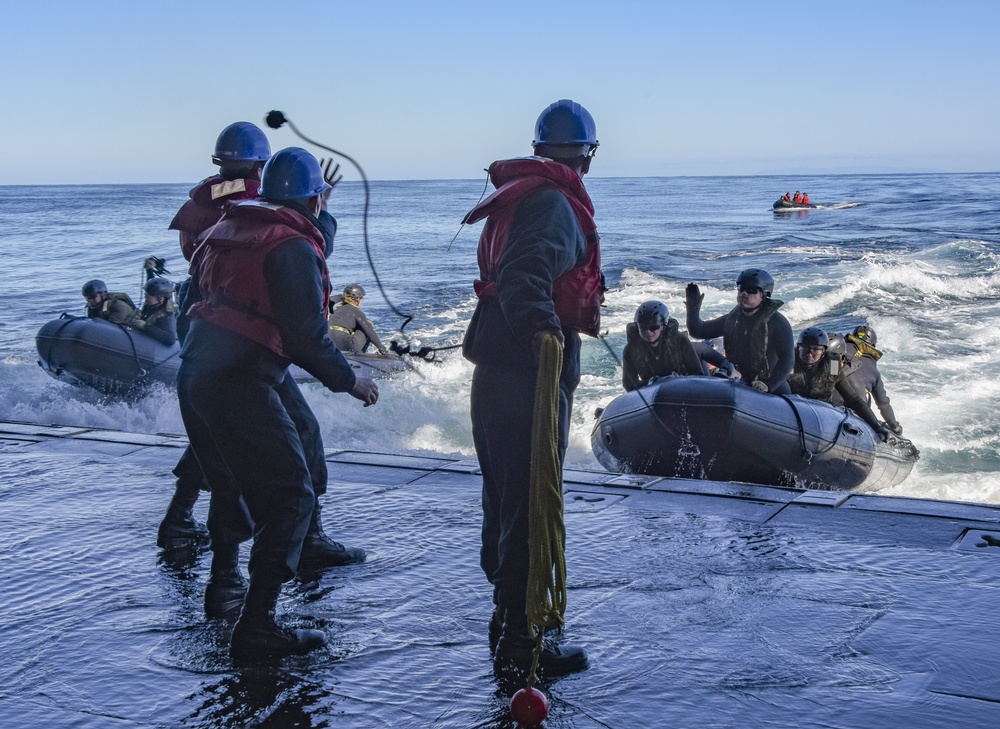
(863, 357)
(350, 329)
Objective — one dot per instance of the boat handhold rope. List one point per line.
(808, 455)
(545, 605)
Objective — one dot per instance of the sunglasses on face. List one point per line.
(751, 290)
(652, 328)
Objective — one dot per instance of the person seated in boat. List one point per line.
(805, 198)
(350, 329)
(158, 317)
(655, 347)
(797, 198)
(756, 337)
(114, 306)
(787, 197)
(862, 354)
(821, 370)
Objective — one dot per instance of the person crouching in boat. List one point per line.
(757, 339)
(821, 370)
(115, 307)
(655, 347)
(797, 198)
(863, 356)
(158, 316)
(787, 197)
(805, 198)
(350, 329)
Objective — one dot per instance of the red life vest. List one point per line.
(577, 294)
(805, 199)
(204, 208)
(229, 265)
(797, 198)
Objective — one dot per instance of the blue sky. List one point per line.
(110, 91)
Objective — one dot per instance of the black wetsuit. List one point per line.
(869, 379)
(826, 379)
(760, 345)
(352, 331)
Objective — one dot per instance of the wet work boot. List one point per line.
(226, 588)
(257, 636)
(514, 652)
(179, 529)
(320, 552)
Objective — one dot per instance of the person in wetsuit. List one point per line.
(863, 356)
(157, 318)
(655, 347)
(264, 285)
(757, 338)
(350, 329)
(821, 370)
(115, 307)
(540, 278)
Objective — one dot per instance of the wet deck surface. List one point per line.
(701, 603)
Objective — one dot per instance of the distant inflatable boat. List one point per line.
(781, 205)
(723, 430)
(118, 360)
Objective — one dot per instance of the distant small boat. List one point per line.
(118, 360)
(782, 205)
(722, 430)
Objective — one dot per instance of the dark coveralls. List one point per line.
(777, 334)
(352, 331)
(828, 381)
(672, 352)
(545, 242)
(251, 430)
(201, 211)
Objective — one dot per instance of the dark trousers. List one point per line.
(354, 343)
(259, 447)
(503, 402)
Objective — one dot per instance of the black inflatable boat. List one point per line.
(115, 359)
(723, 430)
(782, 205)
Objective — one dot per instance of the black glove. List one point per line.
(724, 371)
(693, 297)
(884, 434)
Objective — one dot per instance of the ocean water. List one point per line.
(915, 256)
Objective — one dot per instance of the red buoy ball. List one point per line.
(529, 706)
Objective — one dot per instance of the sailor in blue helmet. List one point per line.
(757, 338)
(240, 153)
(540, 274)
(264, 288)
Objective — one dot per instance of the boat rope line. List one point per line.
(275, 120)
(52, 341)
(545, 600)
(808, 455)
(481, 196)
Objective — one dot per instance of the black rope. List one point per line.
(274, 120)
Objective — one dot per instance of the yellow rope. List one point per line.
(546, 597)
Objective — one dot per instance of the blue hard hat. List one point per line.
(565, 123)
(292, 174)
(241, 142)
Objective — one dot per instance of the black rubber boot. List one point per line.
(179, 529)
(319, 552)
(514, 652)
(256, 635)
(226, 587)
(496, 627)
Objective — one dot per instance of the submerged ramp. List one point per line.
(701, 603)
